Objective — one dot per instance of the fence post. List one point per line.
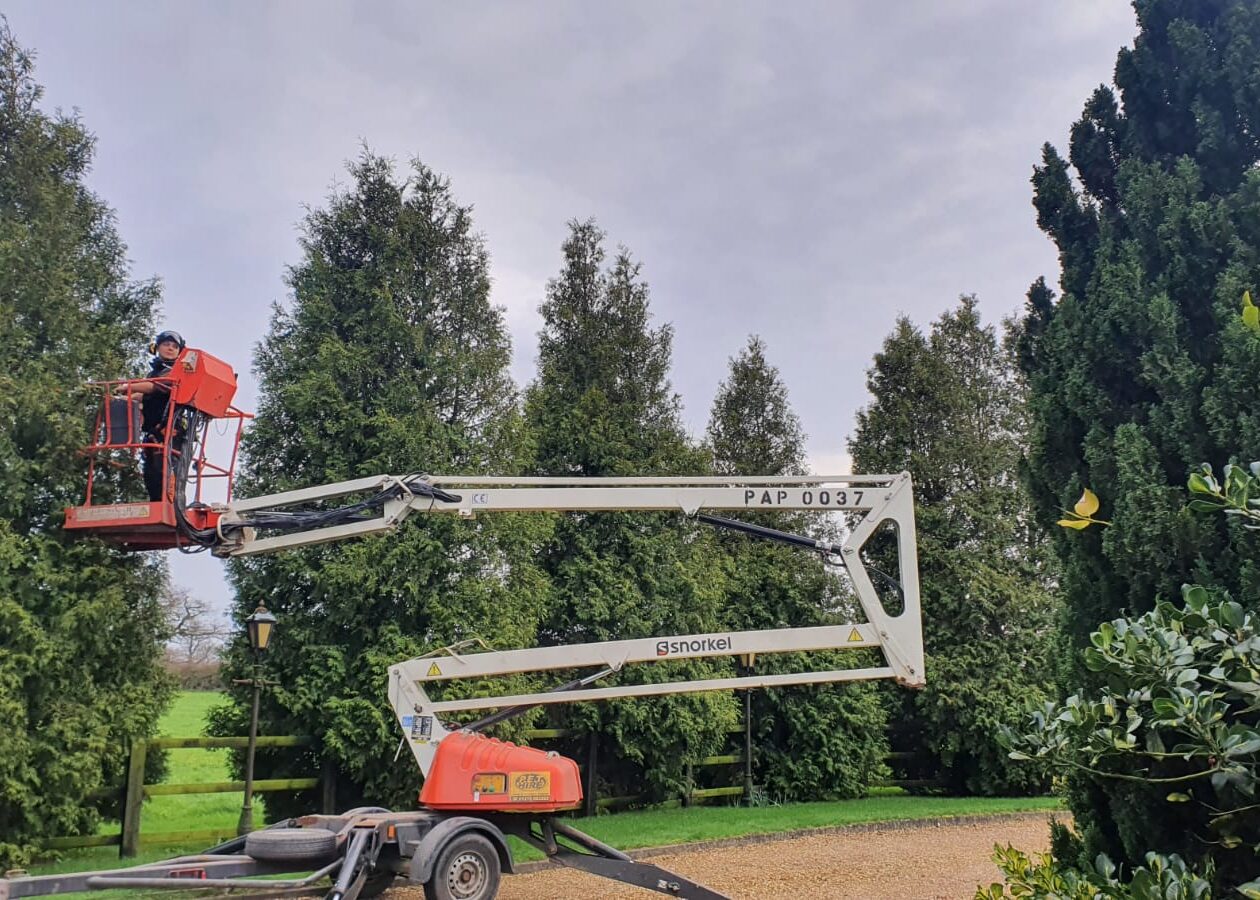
(748, 765)
(690, 784)
(589, 788)
(328, 787)
(134, 802)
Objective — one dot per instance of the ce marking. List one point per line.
(480, 499)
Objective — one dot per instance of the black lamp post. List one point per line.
(259, 626)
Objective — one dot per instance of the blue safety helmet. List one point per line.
(163, 337)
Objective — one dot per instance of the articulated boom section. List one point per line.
(399, 496)
(466, 770)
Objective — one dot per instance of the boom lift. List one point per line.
(477, 789)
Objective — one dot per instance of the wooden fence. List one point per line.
(135, 791)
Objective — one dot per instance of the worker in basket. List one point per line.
(154, 398)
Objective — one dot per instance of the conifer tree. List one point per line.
(602, 405)
(1142, 368)
(809, 742)
(389, 359)
(79, 621)
(752, 427)
(948, 408)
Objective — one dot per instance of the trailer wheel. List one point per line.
(291, 844)
(466, 869)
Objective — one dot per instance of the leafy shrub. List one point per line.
(1039, 878)
(1178, 715)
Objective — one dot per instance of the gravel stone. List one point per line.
(936, 862)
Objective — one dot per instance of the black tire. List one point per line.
(467, 868)
(291, 844)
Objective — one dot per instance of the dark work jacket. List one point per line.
(153, 408)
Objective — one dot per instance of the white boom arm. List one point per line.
(473, 495)
(880, 498)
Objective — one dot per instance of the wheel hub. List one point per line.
(467, 876)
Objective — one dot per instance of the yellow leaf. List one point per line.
(1087, 505)
(1078, 524)
(1247, 300)
(1251, 317)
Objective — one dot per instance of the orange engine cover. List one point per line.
(475, 772)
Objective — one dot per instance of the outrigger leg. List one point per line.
(581, 851)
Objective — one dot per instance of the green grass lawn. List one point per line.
(193, 812)
(189, 812)
(627, 830)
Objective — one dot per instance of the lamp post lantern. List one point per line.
(259, 626)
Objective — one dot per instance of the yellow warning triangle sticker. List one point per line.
(434, 670)
(854, 635)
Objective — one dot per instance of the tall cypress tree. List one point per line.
(809, 742)
(1141, 368)
(79, 621)
(602, 405)
(753, 429)
(948, 408)
(390, 358)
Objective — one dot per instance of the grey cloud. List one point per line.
(804, 171)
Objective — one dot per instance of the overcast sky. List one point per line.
(803, 171)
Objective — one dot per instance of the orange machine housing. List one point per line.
(475, 772)
(203, 382)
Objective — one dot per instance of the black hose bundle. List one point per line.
(311, 519)
(191, 424)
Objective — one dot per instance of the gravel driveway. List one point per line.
(913, 861)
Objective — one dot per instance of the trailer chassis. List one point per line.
(364, 852)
